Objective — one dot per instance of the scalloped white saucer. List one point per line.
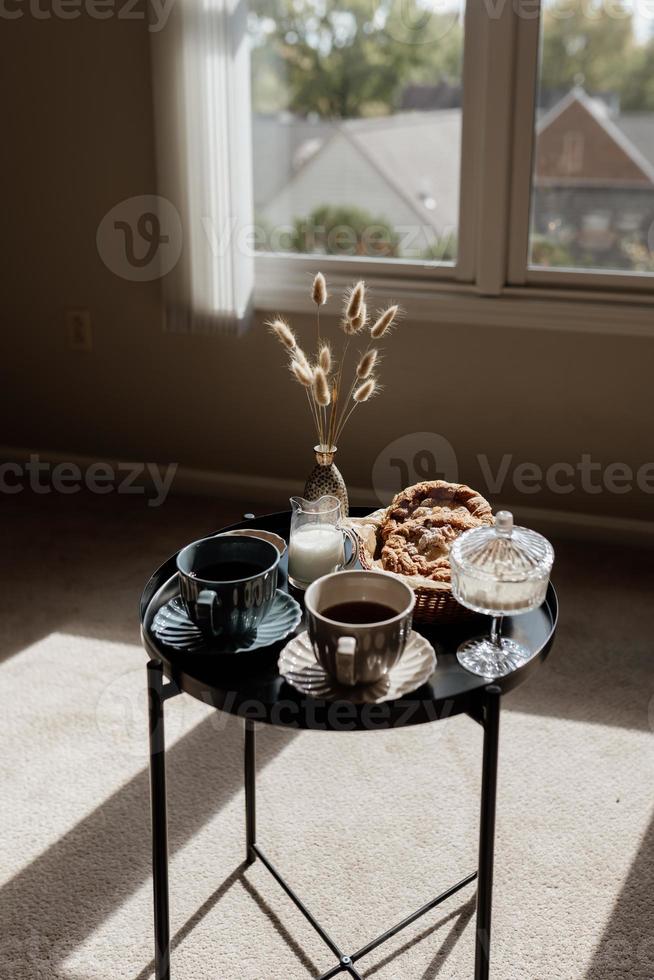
(297, 665)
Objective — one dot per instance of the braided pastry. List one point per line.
(423, 521)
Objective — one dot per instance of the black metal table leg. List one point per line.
(488, 716)
(250, 791)
(159, 821)
(491, 723)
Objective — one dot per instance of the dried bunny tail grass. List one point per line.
(384, 322)
(367, 363)
(321, 391)
(283, 333)
(301, 373)
(302, 359)
(355, 300)
(359, 322)
(325, 358)
(319, 290)
(365, 391)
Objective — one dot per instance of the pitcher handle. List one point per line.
(345, 661)
(350, 533)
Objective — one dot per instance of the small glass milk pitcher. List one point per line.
(316, 546)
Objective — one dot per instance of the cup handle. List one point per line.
(345, 652)
(350, 533)
(205, 604)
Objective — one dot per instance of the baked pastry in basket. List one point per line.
(423, 521)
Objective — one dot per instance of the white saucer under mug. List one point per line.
(298, 666)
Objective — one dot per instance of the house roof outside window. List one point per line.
(404, 168)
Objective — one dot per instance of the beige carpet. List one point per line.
(366, 827)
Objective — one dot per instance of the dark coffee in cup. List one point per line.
(228, 583)
(227, 571)
(359, 612)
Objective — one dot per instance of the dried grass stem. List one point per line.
(332, 402)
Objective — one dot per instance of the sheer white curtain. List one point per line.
(201, 80)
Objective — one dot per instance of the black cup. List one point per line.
(223, 602)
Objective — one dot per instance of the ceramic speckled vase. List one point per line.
(326, 478)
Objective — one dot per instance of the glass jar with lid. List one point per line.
(499, 570)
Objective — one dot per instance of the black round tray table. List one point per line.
(249, 685)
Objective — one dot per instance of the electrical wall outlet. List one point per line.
(78, 324)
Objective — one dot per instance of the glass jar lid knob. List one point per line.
(504, 523)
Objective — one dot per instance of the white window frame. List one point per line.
(490, 282)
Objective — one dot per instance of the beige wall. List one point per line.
(78, 140)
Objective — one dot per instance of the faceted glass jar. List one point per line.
(502, 568)
(496, 571)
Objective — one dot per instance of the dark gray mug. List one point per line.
(228, 583)
(358, 653)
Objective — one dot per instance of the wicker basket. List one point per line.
(434, 602)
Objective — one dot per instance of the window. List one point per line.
(592, 201)
(491, 159)
(357, 127)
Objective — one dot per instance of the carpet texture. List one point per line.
(365, 827)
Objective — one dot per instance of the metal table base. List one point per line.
(488, 716)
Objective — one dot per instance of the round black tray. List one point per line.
(249, 684)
